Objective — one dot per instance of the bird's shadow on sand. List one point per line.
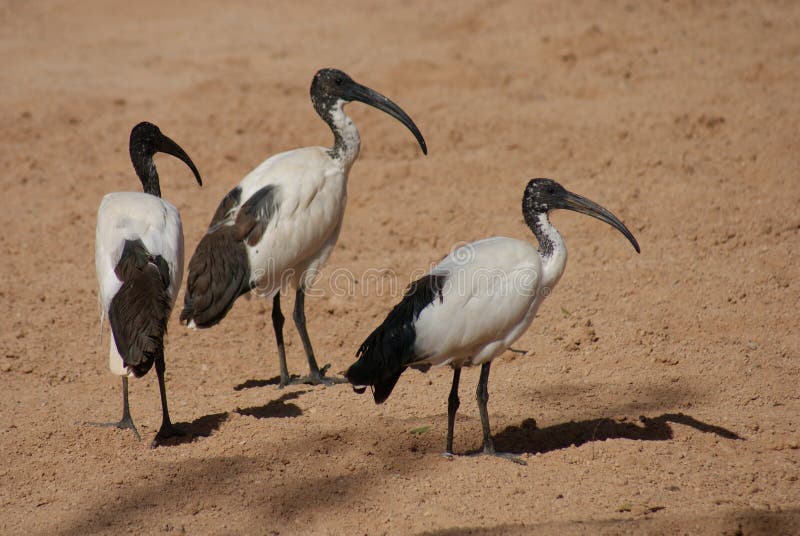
(294, 379)
(251, 384)
(207, 424)
(277, 408)
(529, 438)
(201, 427)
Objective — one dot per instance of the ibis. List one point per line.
(279, 225)
(473, 305)
(139, 263)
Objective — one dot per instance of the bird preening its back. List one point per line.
(139, 264)
(279, 225)
(474, 304)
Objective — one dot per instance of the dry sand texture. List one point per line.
(681, 117)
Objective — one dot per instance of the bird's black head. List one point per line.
(330, 86)
(144, 137)
(543, 195)
(145, 141)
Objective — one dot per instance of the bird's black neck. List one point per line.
(551, 248)
(550, 242)
(346, 139)
(142, 160)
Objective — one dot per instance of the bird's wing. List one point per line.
(272, 172)
(280, 215)
(491, 288)
(139, 311)
(219, 270)
(227, 210)
(473, 301)
(388, 350)
(312, 198)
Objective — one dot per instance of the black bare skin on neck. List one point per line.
(142, 147)
(535, 204)
(545, 244)
(543, 195)
(329, 87)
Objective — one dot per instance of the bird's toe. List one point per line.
(317, 377)
(124, 424)
(166, 433)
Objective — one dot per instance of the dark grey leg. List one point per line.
(452, 406)
(167, 430)
(126, 421)
(277, 323)
(482, 395)
(316, 375)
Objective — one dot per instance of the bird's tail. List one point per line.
(389, 350)
(139, 311)
(219, 272)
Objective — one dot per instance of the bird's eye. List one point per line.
(551, 190)
(338, 81)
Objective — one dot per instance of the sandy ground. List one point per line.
(659, 391)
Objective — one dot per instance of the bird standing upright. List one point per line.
(473, 305)
(139, 263)
(279, 225)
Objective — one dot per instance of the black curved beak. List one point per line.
(373, 98)
(590, 208)
(166, 145)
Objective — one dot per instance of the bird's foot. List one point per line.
(289, 380)
(319, 379)
(165, 433)
(126, 423)
(316, 377)
(504, 455)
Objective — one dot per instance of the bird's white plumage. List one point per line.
(311, 199)
(493, 289)
(135, 216)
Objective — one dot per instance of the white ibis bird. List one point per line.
(279, 225)
(139, 263)
(473, 305)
